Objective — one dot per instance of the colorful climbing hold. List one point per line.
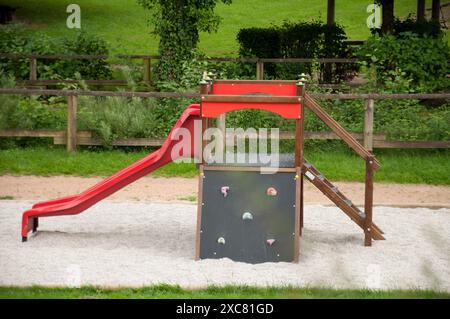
(224, 190)
(271, 191)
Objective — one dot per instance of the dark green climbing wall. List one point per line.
(227, 232)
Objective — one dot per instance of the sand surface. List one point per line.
(179, 189)
(142, 243)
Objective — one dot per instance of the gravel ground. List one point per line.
(140, 243)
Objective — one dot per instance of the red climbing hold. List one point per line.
(271, 191)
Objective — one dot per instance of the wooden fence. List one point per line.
(72, 137)
(147, 68)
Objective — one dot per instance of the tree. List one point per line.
(387, 14)
(178, 23)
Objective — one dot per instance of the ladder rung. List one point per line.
(310, 175)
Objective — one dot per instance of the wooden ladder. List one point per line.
(338, 198)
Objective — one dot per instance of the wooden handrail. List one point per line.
(380, 96)
(340, 131)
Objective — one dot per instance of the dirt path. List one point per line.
(182, 189)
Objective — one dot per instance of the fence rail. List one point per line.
(72, 137)
(147, 60)
(320, 96)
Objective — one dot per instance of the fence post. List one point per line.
(71, 123)
(259, 70)
(147, 69)
(368, 124)
(33, 69)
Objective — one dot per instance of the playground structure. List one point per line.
(242, 214)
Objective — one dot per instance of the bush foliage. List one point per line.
(297, 40)
(15, 39)
(112, 118)
(421, 61)
(421, 28)
(178, 25)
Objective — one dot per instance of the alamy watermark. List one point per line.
(374, 19)
(234, 146)
(74, 19)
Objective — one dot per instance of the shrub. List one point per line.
(14, 38)
(8, 102)
(191, 74)
(421, 28)
(85, 44)
(110, 118)
(422, 61)
(261, 43)
(297, 40)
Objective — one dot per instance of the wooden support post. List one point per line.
(435, 10)
(147, 70)
(204, 89)
(33, 69)
(368, 124)
(331, 12)
(297, 232)
(368, 201)
(299, 142)
(301, 204)
(198, 232)
(420, 10)
(299, 129)
(260, 70)
(71, 123)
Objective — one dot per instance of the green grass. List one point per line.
(123, 23)
(191, 198)
(232, 292)
(55, 161)
(7, 197)
(399, 166)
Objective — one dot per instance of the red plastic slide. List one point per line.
(76, 204)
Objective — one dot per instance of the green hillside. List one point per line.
(123, 23)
